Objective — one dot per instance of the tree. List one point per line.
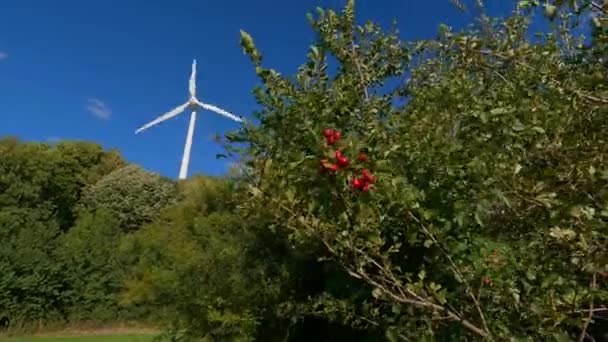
(196, 264)
(92, 267)
(482, 211)
(133, 195)
(39, 187)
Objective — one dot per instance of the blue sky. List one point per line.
(97, 70)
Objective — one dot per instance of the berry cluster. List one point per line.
(362, 183)
(332, 136)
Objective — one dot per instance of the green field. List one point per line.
(93, 338)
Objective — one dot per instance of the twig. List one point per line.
(426, 304)
(390, 275)
(597, 7)
(522, 64)
(499, 75)
(456, 271)
(356, 60)
(360, 274)
(602, 309)
(590, 316)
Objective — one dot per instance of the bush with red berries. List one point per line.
(492, 142)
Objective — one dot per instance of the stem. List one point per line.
(551, 79)
(590, 316)
(424, 304)
(598, 7)
(456, 272)
(360, 274)
(594, 310)
(356, 60)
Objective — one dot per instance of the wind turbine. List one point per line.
(194, 104)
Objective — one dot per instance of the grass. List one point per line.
(90, 338)
(97, 334)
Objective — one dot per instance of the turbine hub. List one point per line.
(192, 102)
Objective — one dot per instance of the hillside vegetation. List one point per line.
(452, 189)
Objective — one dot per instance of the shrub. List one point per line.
(488, 217)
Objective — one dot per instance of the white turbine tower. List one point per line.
(193, 104)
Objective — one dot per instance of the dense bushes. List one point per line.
(40, 186)
(482, 213)
(92, 267)
(60, 237)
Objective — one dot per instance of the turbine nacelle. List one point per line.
(193, 103)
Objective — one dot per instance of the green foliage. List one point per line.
(30, 280)
(93, 270)
(488, 215)
(39, 187)
(194, 261)
(132, 194)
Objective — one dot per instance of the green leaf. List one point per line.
(518, 168)
(539, 129)
(501, 110)
(550, 10)
(518, 126)
(530, 275)
(502, 197)
(255, 191)
(246, 40)
(391, 335)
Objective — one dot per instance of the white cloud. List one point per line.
(3, 55)
(98, 108)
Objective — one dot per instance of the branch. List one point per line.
(597, 7)
(356, 60)
(590, 316)
(602, 309)
(425, 304)
(456, 271)
(553, 80)
(360, 274)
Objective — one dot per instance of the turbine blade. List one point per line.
(193, 80)
(219, 111)
(166, 116)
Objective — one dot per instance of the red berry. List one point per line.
(328, 132)
(357, 183)
(360, 184)
(362, 157)
(333, 167)
(367, 176)
(331, 140)
(486, 281)
(337, 135)
(338, 154)
(328, 166)
(324, 164)
(343, 162)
